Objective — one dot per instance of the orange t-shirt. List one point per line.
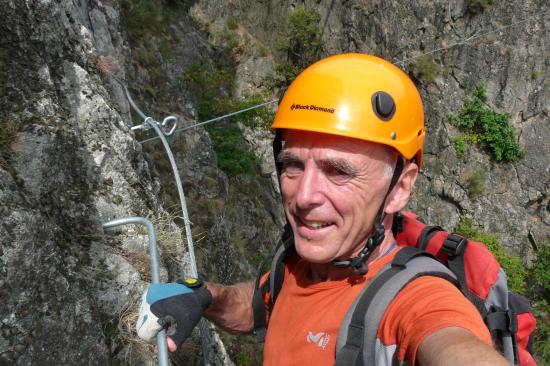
(305, 321)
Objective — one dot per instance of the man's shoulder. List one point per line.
(423, 307)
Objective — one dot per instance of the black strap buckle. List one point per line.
(398, 224)
(454, 245)
(502, 320)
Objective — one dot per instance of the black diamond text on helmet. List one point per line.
(311, 107)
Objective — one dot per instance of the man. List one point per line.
(352, 131)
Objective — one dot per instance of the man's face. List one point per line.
(332, 188)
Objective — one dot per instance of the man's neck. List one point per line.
(321, 272)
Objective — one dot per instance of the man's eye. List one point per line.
(335, 171)
(292, 168)
(338, 175)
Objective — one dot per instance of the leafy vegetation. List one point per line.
(232, 23)
(461, 142)
(489, 128)
(541, 346)
(229, 144)
(211, 88)
(425, 67)
(535, 74)
(515, 271)
(541, 268)
(144, 17)
(302, 43)
(147, 22)
(540, 292)
(475, 184)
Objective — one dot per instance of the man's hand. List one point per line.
(171, 306)
(231, 307)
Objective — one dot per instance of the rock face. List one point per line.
(70, 162)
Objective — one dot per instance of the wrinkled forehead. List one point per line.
(312, 140)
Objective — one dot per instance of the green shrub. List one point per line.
(259, 117)
(146, 17)
(143, 16)
(232, 23)
(477, 6)
(230, 147)
(461, 147)
(539, 276)
(461, 142)
(490, 128)
(229, 40)
(166, 49)
(540, 269)
(511, 264)
(302, 43)
(476, 184)
(305, 39)
(262, 50)
(285, 73)
(541, 346)
(211, 89)
(425, 67)
(255, 259)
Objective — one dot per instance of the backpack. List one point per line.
(428, 250)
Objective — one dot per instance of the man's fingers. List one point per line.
(171, 344)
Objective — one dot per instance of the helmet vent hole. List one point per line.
(420, 132)
(383, 105)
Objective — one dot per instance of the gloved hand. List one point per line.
(172, 305)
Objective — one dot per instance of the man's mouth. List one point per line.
(314, 225)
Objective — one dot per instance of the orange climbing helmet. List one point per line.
(359, 96)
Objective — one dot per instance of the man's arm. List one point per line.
(231, 307)
(457, 347)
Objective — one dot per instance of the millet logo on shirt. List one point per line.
(321, 339)
(311, 107)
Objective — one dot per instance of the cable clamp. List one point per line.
(168, 125)
(144, 126)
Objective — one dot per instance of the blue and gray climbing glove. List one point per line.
(177, 307)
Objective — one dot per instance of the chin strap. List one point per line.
(359, 263)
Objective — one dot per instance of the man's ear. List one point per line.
(401, 193)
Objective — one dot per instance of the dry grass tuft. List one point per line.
(168, 236)
(137, 350)
(106, 64)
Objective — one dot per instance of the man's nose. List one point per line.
(310, 189)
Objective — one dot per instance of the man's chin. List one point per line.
(313, 253)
